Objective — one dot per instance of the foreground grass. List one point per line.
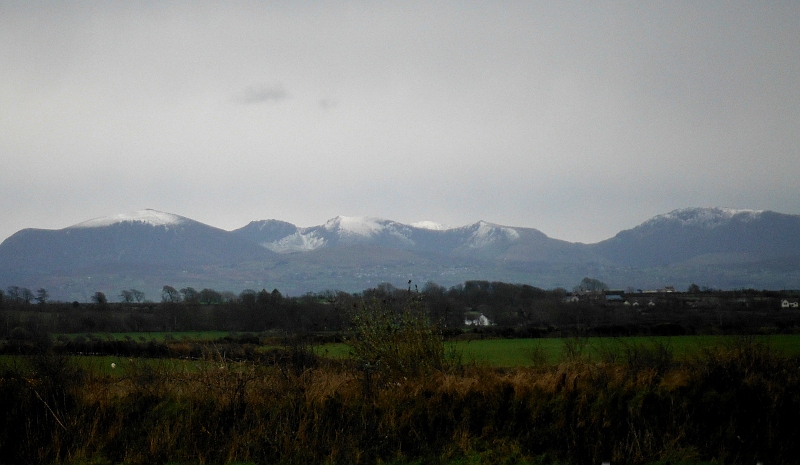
(733, 403)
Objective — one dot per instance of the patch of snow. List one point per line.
(432, 225)
(403, 237)
(704, 217)
(297, 242)
(487, 233)
(148, 216)
(356, 225)
(271, 223)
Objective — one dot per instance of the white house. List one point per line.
(786, 303)
(479, 320)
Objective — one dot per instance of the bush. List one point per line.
(393, 345)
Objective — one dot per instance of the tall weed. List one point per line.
(735, 404)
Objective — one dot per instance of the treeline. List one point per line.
(497, 309)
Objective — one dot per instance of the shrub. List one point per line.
(393, 345)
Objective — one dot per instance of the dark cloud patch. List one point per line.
(261, 94)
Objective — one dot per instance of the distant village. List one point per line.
(669, 296)
(668, 299)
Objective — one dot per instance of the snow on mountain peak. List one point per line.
(356, 225)
(297, 242)
(431, 225)
(704, 217)
(148, 216)
(487, 233)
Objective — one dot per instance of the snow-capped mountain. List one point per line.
(282, 237)
(690, 233)
(141, 238)
(432, 225)
(479, 237)
(147, 217)
(711, 246)
(704, 218)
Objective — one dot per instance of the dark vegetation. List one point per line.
(514, 311)
(403, 396)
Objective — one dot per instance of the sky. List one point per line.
(580, 119)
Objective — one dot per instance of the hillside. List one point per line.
(717, 247)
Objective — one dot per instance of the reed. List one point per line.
(733, 404)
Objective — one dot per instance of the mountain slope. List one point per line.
(283, 237)
(147, 249)
(690, 233)
(480, 240)
(146, 237)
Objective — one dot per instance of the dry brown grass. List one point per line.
(737, 404)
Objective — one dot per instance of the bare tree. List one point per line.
(170, 294)
(138, 295)
(41, 295)
(13, 293)
(126, 296)
(27, 295)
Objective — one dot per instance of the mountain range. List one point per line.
(715, 247)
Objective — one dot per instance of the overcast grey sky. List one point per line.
(579, 119)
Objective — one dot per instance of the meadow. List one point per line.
(397, 393)
(530, 352)
(365, 379)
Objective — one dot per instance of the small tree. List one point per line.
(126, 296)
(190, 295)
(99, 298)
(248, 297)
(13, 293)
(392, 345)
(209, 296)
(27, 295)
(41, 295)
(170, 294)
(591, 285)
(138, 295)
(275, 297)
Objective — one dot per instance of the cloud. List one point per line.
(327, 104)
(261, 94)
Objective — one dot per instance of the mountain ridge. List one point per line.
(720, 247)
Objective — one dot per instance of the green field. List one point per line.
(528, 352)
(493, 352)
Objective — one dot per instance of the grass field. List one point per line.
(528, 352)
(504, 353)
(732, 401)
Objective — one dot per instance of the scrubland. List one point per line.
(405, 396)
